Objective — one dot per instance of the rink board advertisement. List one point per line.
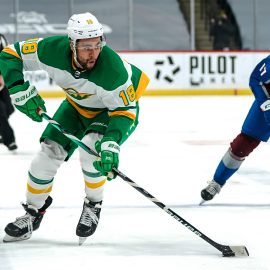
(181, 73)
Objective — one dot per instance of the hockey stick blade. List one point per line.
(238, 251)
(227, 251)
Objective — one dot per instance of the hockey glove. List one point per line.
(266, 109)
(109, 151)
(26, 99)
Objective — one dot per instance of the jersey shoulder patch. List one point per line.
(110, 71)
(55, 52)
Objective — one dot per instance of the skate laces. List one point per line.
(25, 220)
(213, 188)
(89, 214)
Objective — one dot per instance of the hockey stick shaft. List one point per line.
(226, 250)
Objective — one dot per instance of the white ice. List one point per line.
(172, 155)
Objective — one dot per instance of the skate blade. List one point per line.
(13, 152)
(82, 240)
(202, 202)
(7, 238)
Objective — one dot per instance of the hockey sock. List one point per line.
(227, 167)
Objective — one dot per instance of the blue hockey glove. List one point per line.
(266, 109)
(26, 99)
(109, 151)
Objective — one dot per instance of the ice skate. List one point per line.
(23, 227)
(210, 191)
(89, 220)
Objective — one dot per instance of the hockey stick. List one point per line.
(227, 251)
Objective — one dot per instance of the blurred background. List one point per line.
(187, 47)
(147, 24)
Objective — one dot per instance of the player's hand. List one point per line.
(27, 100)
(109, 151)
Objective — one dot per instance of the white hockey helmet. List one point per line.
(84, 25)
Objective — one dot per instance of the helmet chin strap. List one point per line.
(73, 45)
(75, 54)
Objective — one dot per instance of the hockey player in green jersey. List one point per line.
(101, 108)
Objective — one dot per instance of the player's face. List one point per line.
(88, 51)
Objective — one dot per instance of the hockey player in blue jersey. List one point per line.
(256, 128)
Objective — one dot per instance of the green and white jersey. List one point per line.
(113, 84)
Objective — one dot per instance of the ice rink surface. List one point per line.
(172, 154)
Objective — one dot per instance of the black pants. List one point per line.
(6, 109)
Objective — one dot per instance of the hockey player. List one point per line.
(256, 128)
(101, 108)
(7, 136)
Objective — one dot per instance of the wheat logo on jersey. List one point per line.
(75, 94)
